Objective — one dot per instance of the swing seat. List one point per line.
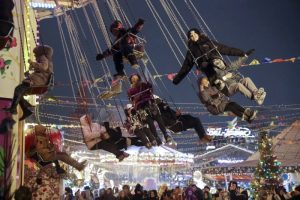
(107, 95)
(138, 51)
(38, 159)
(40, 90)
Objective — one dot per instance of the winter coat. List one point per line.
(167, 114)
(43, 147)
(203, 52)
(43, 67)
(214, 101)
(93, 133)
(6, 7)
(296, 197)
(141, 95)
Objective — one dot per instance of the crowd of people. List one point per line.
(192, 192)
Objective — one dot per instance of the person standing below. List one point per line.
(124, 44)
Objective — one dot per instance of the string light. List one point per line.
(42, 5)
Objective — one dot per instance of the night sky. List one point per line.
(271, 27)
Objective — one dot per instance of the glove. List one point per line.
(176, 81)
(99, 56)
(249, 52)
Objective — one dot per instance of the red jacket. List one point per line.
(141, 95)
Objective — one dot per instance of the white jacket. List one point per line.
(92, 132)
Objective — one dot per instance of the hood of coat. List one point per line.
(43, 50)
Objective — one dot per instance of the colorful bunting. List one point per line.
(277, 60)
(254, 62)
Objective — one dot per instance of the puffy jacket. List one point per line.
(93, 133)
(140, 95)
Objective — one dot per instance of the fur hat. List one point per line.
(156, 96)
(40, 130)
(103, 129)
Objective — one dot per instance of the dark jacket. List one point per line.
(205, 51)
(297, 197)
(125, 37)
(6, 7)
(234, 196)
(213, 99)
(167, 114)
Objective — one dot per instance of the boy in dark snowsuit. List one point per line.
(102, 136)
(176, 122)
(123, 46)
(44, 152)
(141, 96)
(42, 71)
(206, 55)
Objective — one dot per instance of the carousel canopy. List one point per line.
(286, 148)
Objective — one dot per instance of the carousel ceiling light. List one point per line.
(42, 5)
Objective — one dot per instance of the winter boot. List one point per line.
(158, 140)
(154, 143)
(26, 112)
(167, 137)
(134, 141)
(249, 115)
(259, 96)
(70, 161)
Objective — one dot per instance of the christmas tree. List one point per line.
(267, 174)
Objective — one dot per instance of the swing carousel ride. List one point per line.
(82, 85)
